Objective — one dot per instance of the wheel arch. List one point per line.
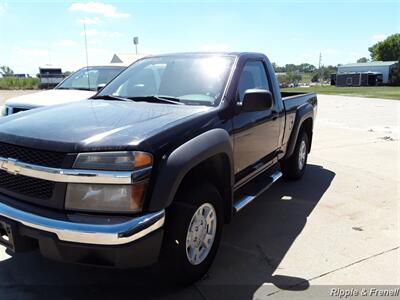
(208, 157)
(304, 121)
(307, 127)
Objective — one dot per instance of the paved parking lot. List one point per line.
(339, 225)
(7, 94)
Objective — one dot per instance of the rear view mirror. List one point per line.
(257, 100)
(100, 86)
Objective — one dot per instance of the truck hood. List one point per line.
(93, 125)
(46, 98)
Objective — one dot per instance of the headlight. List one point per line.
(113, 161)
(109, 197)
(105, 198)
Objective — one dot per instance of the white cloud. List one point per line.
(379, 37)
(3, 7)
(65, 43)
(88, 20)
(93, 41)
(29, 52)
(107, 10)
(102, 34)
(113, 34)
(215, 47)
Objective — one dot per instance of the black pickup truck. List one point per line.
(150, 168)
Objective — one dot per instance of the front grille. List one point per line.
(29, 189)
(27, 186)
(32, 156)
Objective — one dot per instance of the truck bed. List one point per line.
(292, 100)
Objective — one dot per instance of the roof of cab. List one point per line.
(208, 53)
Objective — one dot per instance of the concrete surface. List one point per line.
(7, 94)
(336, 227)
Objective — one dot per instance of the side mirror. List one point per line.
(100, 86)
(256, 100)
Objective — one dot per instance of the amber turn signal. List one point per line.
(137, 195)
(143, 159)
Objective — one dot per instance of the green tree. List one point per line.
(386, 50)
(306, 68)
(362, 60)
(394, 76)
(277, 68)
(324, 73)
(6, 71)
(290, 68)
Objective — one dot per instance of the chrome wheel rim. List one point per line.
(201, 234)
(302, 154)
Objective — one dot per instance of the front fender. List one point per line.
(186, 157)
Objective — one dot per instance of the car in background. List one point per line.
(80, 85)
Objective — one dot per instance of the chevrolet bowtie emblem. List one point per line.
(10, 166)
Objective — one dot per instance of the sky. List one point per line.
(36, 33)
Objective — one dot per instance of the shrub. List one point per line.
(15, 83)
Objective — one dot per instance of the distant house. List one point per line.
(375, 67)
(126, 58)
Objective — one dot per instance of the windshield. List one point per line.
(193, 79)
(89, 78)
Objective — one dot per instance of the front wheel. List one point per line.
(192, 233)
(294, 166)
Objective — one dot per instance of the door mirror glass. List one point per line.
(256, 100)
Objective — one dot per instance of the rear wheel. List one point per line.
(192, 233)
(294, 166)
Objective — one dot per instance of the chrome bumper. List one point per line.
(96, 234)
(16, 167)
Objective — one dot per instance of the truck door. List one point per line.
(255, 134)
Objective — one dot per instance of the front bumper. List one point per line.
(97, 240)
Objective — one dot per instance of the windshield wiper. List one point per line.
(162, 99)
(111, 97)
(156, 98)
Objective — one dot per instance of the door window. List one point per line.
(253, 77)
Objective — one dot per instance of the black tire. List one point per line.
(175, 264)
(290, 167)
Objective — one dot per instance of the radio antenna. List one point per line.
(87, 56)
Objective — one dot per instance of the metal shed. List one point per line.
(383, 67)
(357, 79)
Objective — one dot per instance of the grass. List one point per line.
(14, 83)
(383, 92)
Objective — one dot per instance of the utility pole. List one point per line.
(320, 68)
